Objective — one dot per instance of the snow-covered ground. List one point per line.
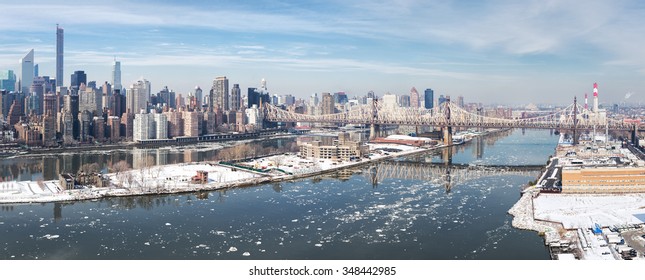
(585, 210)
(177, 175)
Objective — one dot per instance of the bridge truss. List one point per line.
(449, 114)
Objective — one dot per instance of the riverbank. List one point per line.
(181, 141)
(566, 220)
(178, 178)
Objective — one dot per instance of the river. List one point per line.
(380, 211)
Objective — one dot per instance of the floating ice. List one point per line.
(232, 249)
(50, 236)
(246, 254)
(318, 245)
(147, 243)
(168, 224)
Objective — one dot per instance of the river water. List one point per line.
(399, 209)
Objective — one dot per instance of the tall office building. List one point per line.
(116, 75)
(71, 105)
(429, 98)
(199, 96)
(8, 80)
(414, 98)
(236, 97)
(79, 77)
(27, 71)
(219, 94)
(59, 56)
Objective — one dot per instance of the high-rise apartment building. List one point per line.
(161, 126)
(219, 94)
(191, 124)
(138, 96)
(27, 71)
(327, 103)
(59, 56)
(429, 98)
(144, 127)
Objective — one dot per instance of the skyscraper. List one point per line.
(236, 97)
(414, 98)
(138, 96)
(27, 71)
(116, 75)
(327, 103)
(79, 77)
(7, 80)
(429, 98)
(219, 94)
(59, 56)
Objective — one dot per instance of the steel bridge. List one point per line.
(573, 117)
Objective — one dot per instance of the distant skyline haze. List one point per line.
(504, 52)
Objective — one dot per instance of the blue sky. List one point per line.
(513, 52)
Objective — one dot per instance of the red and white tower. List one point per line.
(595, 97)
(586, 107)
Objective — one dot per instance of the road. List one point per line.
(553, 175)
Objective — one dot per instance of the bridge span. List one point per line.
(573, 117)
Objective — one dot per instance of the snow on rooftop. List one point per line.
(585, 210)
(406, 137)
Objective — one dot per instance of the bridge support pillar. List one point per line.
(374, 131)
(635, 140)
(447, 135)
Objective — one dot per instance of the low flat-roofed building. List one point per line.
(340, 150)
(603, 179)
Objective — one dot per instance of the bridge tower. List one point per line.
(447, 129)
(374, 127)
(575, 121)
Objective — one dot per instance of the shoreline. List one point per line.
(129, 145)
(119, 191)
(113, 191)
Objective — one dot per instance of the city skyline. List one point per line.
(501, 52)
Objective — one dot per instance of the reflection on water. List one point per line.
(389, 210)
(33, 167)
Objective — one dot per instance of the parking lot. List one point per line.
(634, 239)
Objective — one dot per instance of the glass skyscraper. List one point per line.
(429, 98)
(8, 80)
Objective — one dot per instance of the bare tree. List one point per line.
(90, 168)
(278, 160)
(120, 166)
(129, 178)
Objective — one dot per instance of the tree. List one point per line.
(120, 166)
(89, 168)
